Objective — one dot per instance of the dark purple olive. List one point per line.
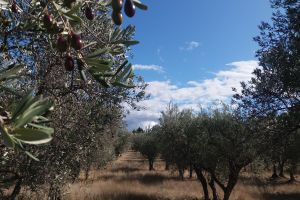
(62, 44)
(117, 5)
(14, 7)
(89, 14)
(129, 8)
(76, 41)
(6, 22)
(48, 21)
(69, 63)
(78, 44)
(117, 18)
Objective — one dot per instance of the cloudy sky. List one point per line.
(194, 51)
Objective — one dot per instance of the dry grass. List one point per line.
(129, 179)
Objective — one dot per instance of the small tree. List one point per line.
(223, 144)
(147, 145)
(174, 139)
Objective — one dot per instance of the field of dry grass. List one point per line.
(128, 178)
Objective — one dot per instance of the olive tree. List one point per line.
(274, 89)
(147, 144)
(218, 142)
(174, 140)
(73, 54)
(273, 92)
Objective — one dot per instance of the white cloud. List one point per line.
(191, 95)
(189, 46)
(148, 67)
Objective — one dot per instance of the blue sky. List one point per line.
(199, 48)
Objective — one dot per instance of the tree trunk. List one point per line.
(213, 189)
(151, 163)
(87, 173)
(281, 168)
(191, 171)
(167, 166)
(274, 175)
(16, 190)
(203, 182)
(232, 180)
(181, 173)
(292, 177)
(292, 170)
(229, 188)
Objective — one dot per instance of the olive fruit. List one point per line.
(62, 44)
(14, 7)
(6, 22)
(117, 5)
(89, 14)
(117, 18)
(76, 41)
(78, 44)
(48, 21)
(69, 63)
(129, 8)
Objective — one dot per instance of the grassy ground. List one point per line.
(128, 178)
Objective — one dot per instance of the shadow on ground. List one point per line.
(125, 169)
(250, 181)
(279, 196)
(146, 179)
(132, 196)
(152, 179)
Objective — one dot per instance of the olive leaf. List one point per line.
(9, 71)
(97, 53)
(29, 109)
(25, 123)
(3, 3)
(140, 5)
(126, 42)
(33, 136)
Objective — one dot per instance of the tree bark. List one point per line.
(181, 173)
(167, 167)
(87, 170)
(191, 171)
(232, 180)
(231, 183)
(213, 189)
(292, 170)
(281, 168)
(274, 175)
(151, 164)
(203, 182)
(16, 190)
